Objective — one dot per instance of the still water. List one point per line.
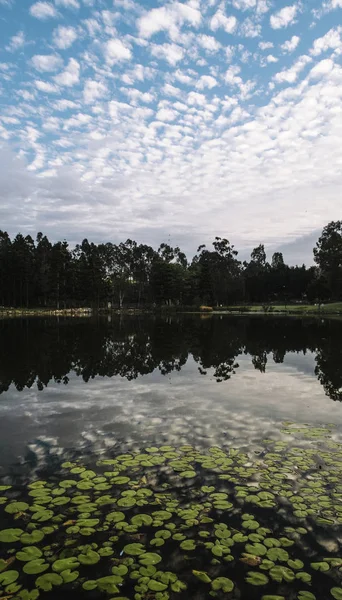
(203, 456)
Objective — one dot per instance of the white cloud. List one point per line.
(116, 51)
(250, 28)
(171, 90)
(169, 52)
(194, 98)
(168, 18)
(43, 10)
(70, 76)
(16, 41)
(46, 62)
(290, 75)
(62, 105)
(265, 45)
(45, 86)
(166, 114)
(322, 68)
(137, 96)
(244, 4)
(64, 36)
(68, 3)
(263, 7)
(290, 45)
(331, 40)
(208, 42)
(284, 17)
(220, 21)
(271, 59)
(93, 90)
(206, 81)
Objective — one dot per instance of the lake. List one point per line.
(177, 457)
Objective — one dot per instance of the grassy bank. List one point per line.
(297, 309)
(334, 308)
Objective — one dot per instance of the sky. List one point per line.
(172, 121)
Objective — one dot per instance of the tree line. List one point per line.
(39, 273)
(35, 352)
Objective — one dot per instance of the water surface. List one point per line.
(235, 406)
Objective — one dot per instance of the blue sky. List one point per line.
(171, 120)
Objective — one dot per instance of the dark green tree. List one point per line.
(328, 256)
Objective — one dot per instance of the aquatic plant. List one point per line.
(114, 527)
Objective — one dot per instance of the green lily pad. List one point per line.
(255, 578)
(277, 554)
(305, 595)
(28, 553)
(162, 515)
(295, 564)
(202, 576)
(222, 583)
(36, 566)
(177, 586)
(8, 577)
(15, 507)
(304, 577)
(149, 558)
(108, 584)
(336, 593)
(69, 576)
(280, 573)
(188, 545)
(47, 581)
(120, 570)
(256, 549)
(32, 538)
(89, 585)
(115, 517)
(42, 515)
(89, 558)
(134, 549)
(8, 536)
(64, 564)
(141, 520)
(323, 567)
(156, 586)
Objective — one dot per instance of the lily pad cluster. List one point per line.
(171, 522)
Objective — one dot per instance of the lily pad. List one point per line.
(222, 583)
(156, 586)
(280, 573)
(8, 577)
(36, 566)
(256, 549)
(64, 564)
(255, 578)
(134, 549)
(202, 575)
(149, 558)
(28, 553)
(8, 536)
(47, 581)
(69, 576)
(16, 507)
(336, 593)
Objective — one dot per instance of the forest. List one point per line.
(41, 274)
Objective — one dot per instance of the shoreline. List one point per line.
(81, 312)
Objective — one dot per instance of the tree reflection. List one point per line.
(35, 352)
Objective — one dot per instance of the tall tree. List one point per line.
(328, 256)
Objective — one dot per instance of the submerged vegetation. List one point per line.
(42, 274)
(177, 522)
